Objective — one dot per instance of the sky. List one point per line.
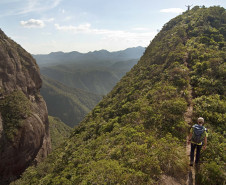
(44, 26)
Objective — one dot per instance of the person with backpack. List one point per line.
(198, 134)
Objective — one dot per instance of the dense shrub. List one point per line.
(15, 107)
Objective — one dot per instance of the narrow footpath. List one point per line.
(188, 120)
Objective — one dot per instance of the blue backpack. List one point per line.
(198, 133)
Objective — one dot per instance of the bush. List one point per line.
(14, 109)
(211, 174)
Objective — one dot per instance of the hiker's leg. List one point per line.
(198, 153)
(192, 152)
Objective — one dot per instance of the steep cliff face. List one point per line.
(24, 127)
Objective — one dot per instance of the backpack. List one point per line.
(198, 133)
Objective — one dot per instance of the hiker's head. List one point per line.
(200, 121)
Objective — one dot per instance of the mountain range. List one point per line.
(90, 57)
(96, 72)
(136, 134)
(73, 83)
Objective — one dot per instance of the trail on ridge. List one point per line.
(188, 120)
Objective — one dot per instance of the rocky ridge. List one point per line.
(24, 127)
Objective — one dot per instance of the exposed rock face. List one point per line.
(30, 142)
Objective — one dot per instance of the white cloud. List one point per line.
(38, 6)
(33, 23)
(82, 28)
(19, 7)
(120, 36)
(172, 10)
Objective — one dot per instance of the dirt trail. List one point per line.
(188, 120)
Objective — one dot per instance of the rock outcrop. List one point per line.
(24, 127)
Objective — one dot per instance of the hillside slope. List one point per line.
(136, 134)
(59, 131)
(95, 76)
(69, 104)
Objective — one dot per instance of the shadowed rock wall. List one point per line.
(29, 141)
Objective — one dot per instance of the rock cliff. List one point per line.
(24, 127)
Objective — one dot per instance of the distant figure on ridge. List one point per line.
(189, 6)
(198, 134)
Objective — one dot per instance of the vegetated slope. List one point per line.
(96, 81)
(69, 104)
(59, 131)
(136, 133)
(98, 77)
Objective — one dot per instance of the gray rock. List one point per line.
(31, 144)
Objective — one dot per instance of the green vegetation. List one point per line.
(59, 131)
(97, 77)
(70, 105)
(15, 107)
(208, 56)
(137, 132)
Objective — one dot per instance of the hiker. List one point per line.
(198, 134)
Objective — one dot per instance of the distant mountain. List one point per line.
(95, 56)
(96, 72)
(70, 105)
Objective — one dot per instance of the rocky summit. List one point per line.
(24, 127)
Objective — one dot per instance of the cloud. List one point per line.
(38, 6)
(134, 38)
(172, 10)
(33, 23)
(82, 28)
(19, 7)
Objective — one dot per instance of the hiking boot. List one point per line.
(191, 163)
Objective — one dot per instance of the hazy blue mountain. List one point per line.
(95, 56)
(96, 72)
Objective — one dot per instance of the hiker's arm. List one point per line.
(189, 138)
(205, 143)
